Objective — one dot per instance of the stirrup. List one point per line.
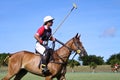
(43, 66)
(44, 69)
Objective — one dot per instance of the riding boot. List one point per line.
(44, 63)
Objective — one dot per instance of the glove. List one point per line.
(45, 43)
(41, 41)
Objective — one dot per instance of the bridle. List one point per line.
(77, 51)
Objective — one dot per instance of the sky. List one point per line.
(98, 22)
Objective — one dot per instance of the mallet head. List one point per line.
(74, 5)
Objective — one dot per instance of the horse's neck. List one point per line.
(64, 51)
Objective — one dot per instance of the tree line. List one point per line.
(2, 57)
(87, 60)
(98, 60)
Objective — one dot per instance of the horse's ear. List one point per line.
(76, 35)
(79, 36)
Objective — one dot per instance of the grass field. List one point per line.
(77, 76)
(81, 73)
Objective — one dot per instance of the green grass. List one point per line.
(77, 76)
(102, 72)
(99, 68)
(93, 76)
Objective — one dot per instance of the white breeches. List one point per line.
(40, 48)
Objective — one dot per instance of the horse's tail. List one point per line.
(7, 59)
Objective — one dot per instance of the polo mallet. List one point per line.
(74, 7)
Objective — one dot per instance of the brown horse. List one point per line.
(24, 61)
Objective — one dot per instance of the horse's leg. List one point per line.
(13, 68)
(20, 74)
(61, 77)
(10, 73)
(7, 77)
(48, 78)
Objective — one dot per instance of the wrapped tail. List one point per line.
(7, 59)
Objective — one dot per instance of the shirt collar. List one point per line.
(45, 27)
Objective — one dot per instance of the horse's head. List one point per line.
(77, 46)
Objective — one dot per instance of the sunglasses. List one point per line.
(51, 21)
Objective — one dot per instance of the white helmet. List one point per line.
(48, 18)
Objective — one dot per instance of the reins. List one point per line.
(71, 50)
(64, 45)
(63, 62)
